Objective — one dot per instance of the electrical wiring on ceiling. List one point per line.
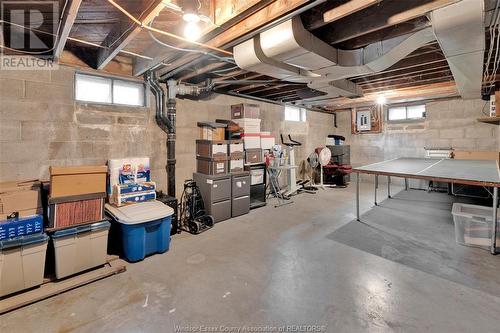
(145, 26)
(69, 38)
(39, 52)
(489, 78)
(225, 59)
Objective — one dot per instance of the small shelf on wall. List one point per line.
(490, 120)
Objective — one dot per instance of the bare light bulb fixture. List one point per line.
(381, 100)
(191, 17)
(192, 31)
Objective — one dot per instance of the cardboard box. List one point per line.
(245, 110)
(212, 130)
(21, 197)
(476, 155)
(212, 134)
(70, 181)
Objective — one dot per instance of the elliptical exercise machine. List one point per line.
(294, 186)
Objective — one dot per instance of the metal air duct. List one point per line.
(459, 29)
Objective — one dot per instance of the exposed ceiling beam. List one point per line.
(427, 91)
(400, 85)
(251, 22)
(203, 70)
(403, 74)
(284, 90)
(249, 76)
(388, 13)
(118, 39)
(67, 24)
(348, 8)
(415, 79)
(259, 89)
(404, 28)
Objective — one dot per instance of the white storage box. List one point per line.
(80, 248)
(473, 225)
(249, 125)
(267, 141)
(251, 140)
(22, 262)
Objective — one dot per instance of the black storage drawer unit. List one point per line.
(258, 181)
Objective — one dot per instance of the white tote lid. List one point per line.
(140, 212)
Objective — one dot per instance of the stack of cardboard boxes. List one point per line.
(256, 142)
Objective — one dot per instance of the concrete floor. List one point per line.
(273, 267)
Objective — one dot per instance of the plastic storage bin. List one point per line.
(21, 226)
(473, 225)
(22, 262)
(80, 248)
(144, 228)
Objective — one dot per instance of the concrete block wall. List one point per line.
(42, 125)
(450, 123)
(311, 133)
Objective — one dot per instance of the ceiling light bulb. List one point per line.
(191, 17)
(381, 100)
(192, 31)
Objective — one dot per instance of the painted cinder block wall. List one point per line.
(42, 125)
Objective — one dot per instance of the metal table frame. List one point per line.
(426, 173)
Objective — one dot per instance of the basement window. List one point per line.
(100, 89)
(406, 113)
(293, 113)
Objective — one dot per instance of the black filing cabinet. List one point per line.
(216, 193)
(258, 178)
(240, 197)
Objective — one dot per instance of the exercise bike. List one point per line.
(294, 187)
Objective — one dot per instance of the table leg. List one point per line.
(358, 175)
(376, 187)
(389, 187)
(494, 225)
(406, 184)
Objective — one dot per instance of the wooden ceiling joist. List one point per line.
(254, 21)
(68, 20)
(203, 70)
(426, 91)
(345, 9)
(119, 39)
(388, 13)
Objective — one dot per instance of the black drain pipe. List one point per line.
(171, 119)
(167, 123)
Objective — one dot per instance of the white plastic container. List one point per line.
(249, 125)
(473, 225)
(22, 262)
(251, 141)
(80, 248)
(267, 141)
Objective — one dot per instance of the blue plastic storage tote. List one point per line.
(144, 228)
(21, 226)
